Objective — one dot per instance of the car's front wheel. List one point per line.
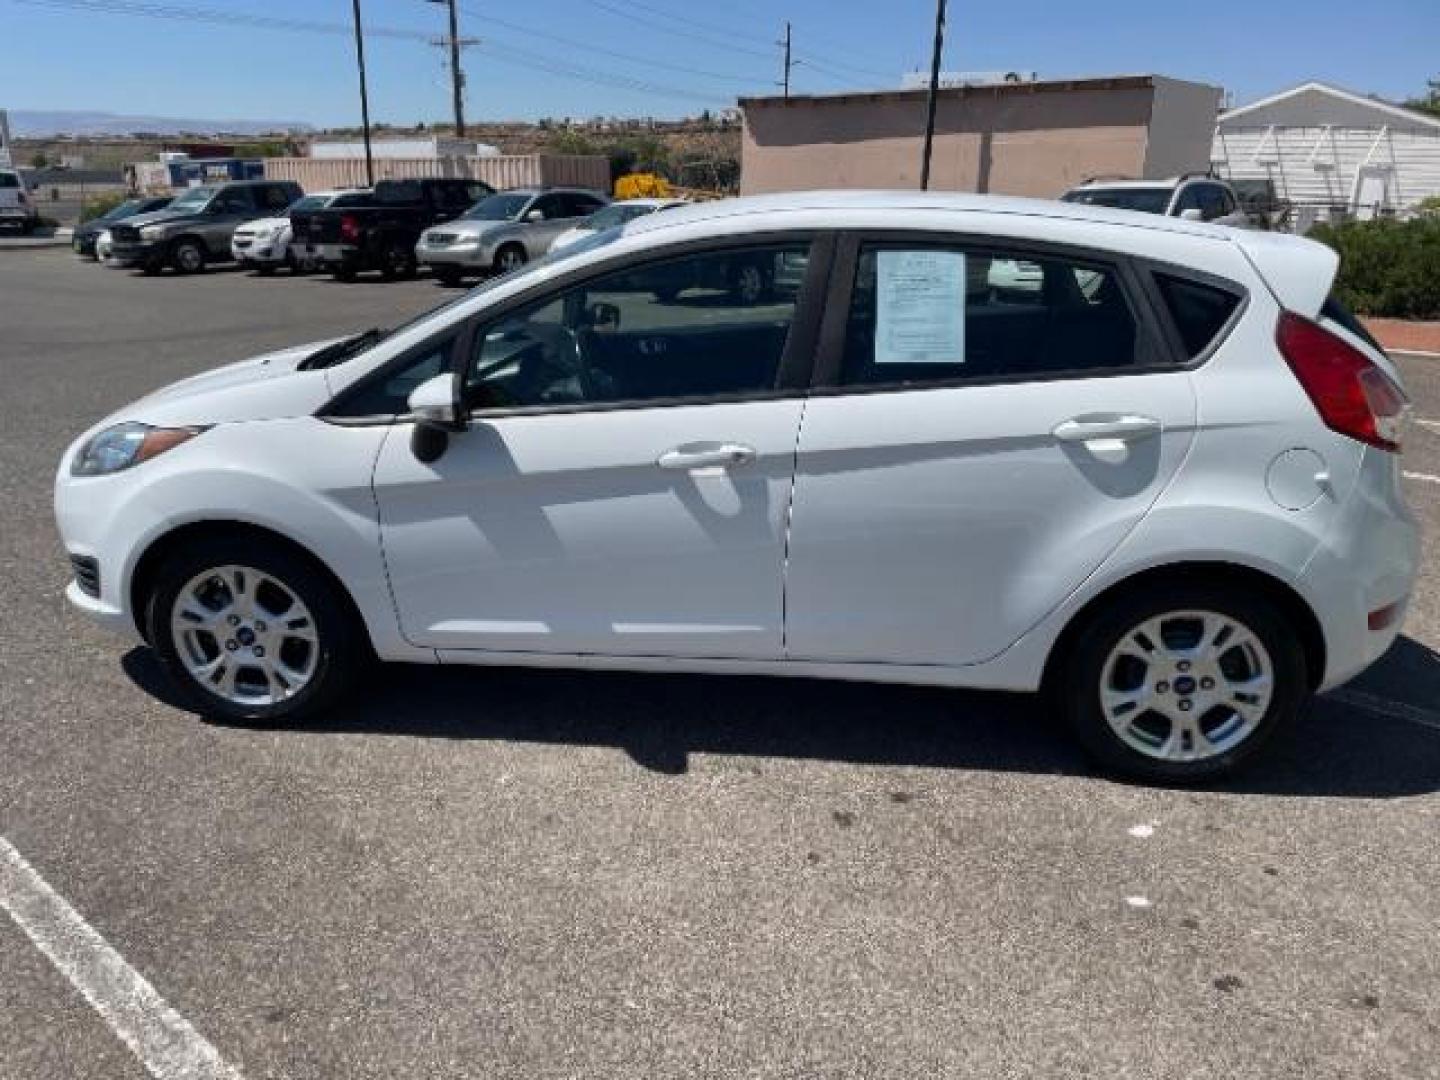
(509, 258)
(188, 256)
(1185, 681)
(252, 630)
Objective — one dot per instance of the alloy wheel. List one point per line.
(1186, 685)
(245, 636)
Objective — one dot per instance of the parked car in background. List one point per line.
(265, 244)
(1193, 197)
(505, 231)
(381, 236)
(86, 234)
(560, 469)
(617, 213)
(17, 205)
(195, 229)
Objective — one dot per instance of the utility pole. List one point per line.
(934, 90)
(785, 75)
(454, 42)
(364, 96)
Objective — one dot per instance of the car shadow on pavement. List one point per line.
(659, 721)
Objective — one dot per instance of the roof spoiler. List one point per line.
(1299, 272)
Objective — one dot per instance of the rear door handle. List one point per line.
(706, 456)
(1125, 428)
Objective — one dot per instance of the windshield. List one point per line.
(124, 210)
(310, 202)
(616, 214)
(194, 199)
(497, 208)
(1146, 200)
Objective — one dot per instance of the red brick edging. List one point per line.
(1403, 335)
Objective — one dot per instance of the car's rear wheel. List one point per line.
(252, 631)
(398, 262)
(188, 256)
(510, 258)
(1186, 681)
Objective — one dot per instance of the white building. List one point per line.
(1331, 153)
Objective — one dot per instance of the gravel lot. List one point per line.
(532, 875)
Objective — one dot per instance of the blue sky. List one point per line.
(57, 57)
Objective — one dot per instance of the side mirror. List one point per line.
(1192, 214)
(535, 215)
(435, 408)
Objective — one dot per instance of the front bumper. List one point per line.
(253, 251)
(84, 245)
(472, 254)
(129, 253)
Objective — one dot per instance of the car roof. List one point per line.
(846, 208)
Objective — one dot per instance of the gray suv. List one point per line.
(504, 231)
(195, 229)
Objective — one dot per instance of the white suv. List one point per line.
(17, 205)
(1162, 487)
(1193, 197)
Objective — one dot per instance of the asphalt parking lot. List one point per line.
(538, 874)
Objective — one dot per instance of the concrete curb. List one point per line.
(60, 238)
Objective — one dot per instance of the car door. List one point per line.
(231, 206)
(624, 483)
(972, 454)
(538, 235)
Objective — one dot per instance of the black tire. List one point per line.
(1076, 686)
(344, 272)
(448, 275)
(264, 269)
(188, 256)
(510, 257)
(341, 647)
(398, 262)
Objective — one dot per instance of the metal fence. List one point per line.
(320, 174)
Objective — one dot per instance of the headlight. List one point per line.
(153, 232)
(124, 445)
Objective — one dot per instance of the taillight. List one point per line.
(349, 228)
(1351, 393)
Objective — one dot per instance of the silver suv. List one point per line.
(1193, 197)
(504, 231)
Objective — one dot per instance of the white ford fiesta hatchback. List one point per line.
(1154, 474)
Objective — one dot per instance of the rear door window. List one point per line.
(928, 315)
(1200, 311)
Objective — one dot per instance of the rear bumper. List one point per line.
(1367, 562)
(334, 254)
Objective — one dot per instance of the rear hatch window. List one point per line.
(1339, 314)
(1200, 311)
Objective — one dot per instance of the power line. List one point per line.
(719, 43)
(649, 61)
(688, 20)
(176, 13)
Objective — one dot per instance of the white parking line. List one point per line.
(1425, 477)
(168, 1047)
(1433, 425)
(1396, 710)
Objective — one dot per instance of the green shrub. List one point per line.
(101, 204)
(1388, 268)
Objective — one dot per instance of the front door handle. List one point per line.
(1088, 428)
(706, 455)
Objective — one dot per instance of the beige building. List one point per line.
(1035, 138)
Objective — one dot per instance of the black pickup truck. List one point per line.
(382, 236)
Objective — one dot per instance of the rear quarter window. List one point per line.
(1200, 311)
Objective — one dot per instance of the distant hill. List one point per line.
(33, 124)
